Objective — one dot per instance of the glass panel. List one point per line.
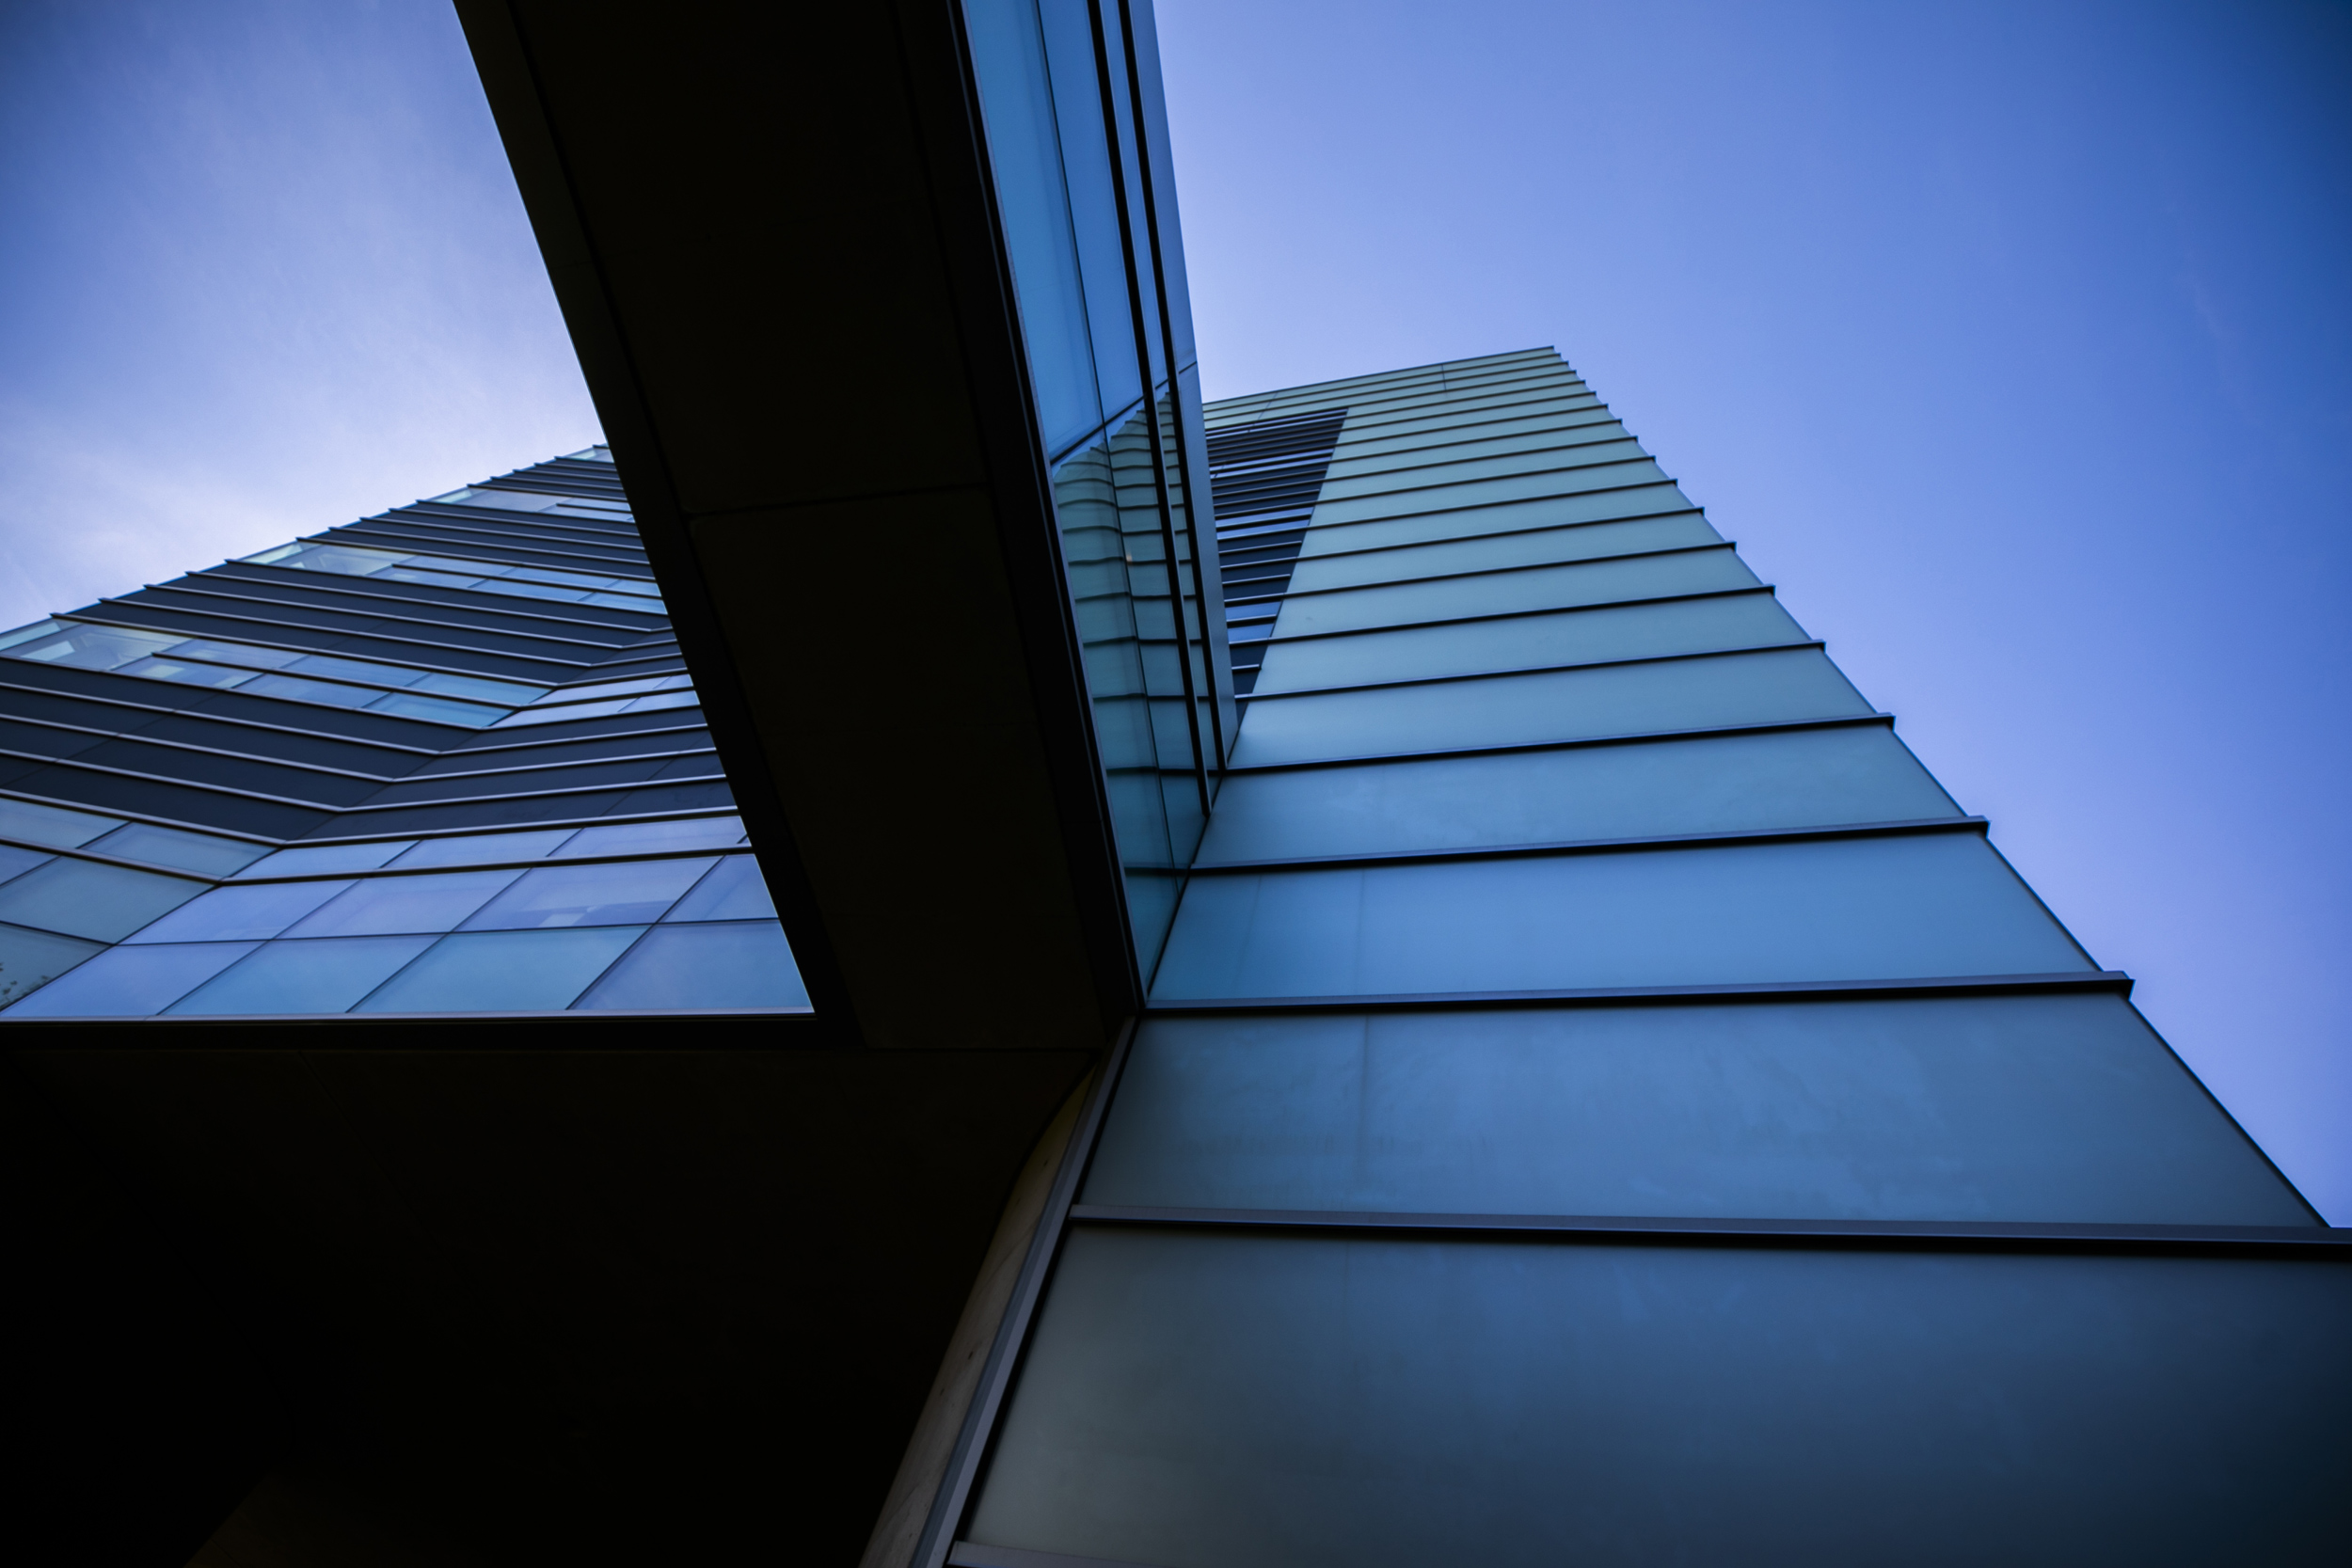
(307, 976)
(734, 892)
(1530, 642)
(2022, 1109)
(1508, 592)
(486, 848)
(1911, 907)
(1551, 485)
(636, 838)
(491, 972)
(437, 710)
(557, 715)
(236, 653)
(84, 647)
(15, 861)
(508, 692)
(132, 982)
(619, 689)
(1772, 687)
(30, 959)
(322, 859)
(686, 967)
(237, 913)
(627, 893)
(1069, 38)
(1008, 58)
(1357, 477)
(390, 905)
(1542, 512)
(1225, 1401)
(179, 849)
(104, 903)
(296, 689)
(1585, 542)
(54, 825)
(1717, 784)
(188, 675)
(350, 669)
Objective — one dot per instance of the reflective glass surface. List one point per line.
(325, 976)
(384, 906)
(32, 960)
(1369, 532)
(1907, 907)
(632, 838)
(740, 965)
(54, 825)
(489, 972)
(81, 898)
(619, 894)
(1711, 784)
(2040, 1109)
(1507, 593)
(176, 848)
(1589, 542)
(132, 982)
(733, 892)
(483, 849)
(1772, 687)
(1202, 1400)
(15, 861)
(238, 913)
(325, 858)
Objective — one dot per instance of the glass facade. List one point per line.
(1601, 1099)
(285, 785)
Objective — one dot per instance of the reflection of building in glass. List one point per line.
(445, 760)
(1501, 1057)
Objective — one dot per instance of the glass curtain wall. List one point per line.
(1078, 141)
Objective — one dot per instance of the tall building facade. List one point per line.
(944, 954)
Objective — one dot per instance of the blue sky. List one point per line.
(2013, 343)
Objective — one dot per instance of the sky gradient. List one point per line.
(2013, 343)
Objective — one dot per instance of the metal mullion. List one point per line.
(1151, 410)
(2317, 1242)
(1919, 826)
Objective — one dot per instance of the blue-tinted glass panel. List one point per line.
(1776, 686)
(31, 960)
(2037, 1109)
(493, 971)
(324, 976)
(81, 898)
(485, 848)
(1869, 909)
(743, 965)
(179, 849)
(386, 906)
(1217, 1402)
(15, 861)
(54, 825)
(734, 890)
(297, 688)
(639, 838)
(1009, 58)
(242, 913)
(1719, 783)
(1585, 542)
(437, 710)
(1588, 582)
(624, 893)
(1094, 201)
(323, 860)
(132, 982)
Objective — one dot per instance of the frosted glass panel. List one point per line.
(1772, 687)
(1224, 1402)
(2015, 1108)
(1718, 784)
(1913, 907)
(1529, 641)
(1506, 592)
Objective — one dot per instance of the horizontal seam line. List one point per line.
(1921, 825)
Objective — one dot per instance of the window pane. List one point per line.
(104, 903)
(631, 838)
(179, 849)
(489, 972)
(1530, 642)
(350, 669)
(1208, 1401)
(2012, 1108)
(236, 653)
(386, 906)
(1588, 542)
(238, 913)
(1504, 593)
(55, 826)
(630, 893)
(83, 647)
(1719, 783)
(438, 710)
(15, 861)
(132, 982)
(747, 965)
(31, 960)
(480, 688)
(299, 689)
(188, 675)
(1913, 907)
(734, 892)
(307, 976)
(486, 848)
(323, 859)
(1772, 687)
